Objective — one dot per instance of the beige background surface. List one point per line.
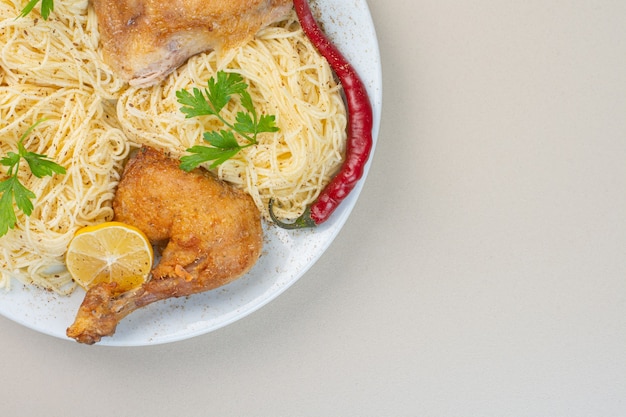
(482, 273)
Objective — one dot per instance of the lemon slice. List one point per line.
(109, 252)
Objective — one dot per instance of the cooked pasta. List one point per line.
(78, 133)
(62, 51)
(287, 78)
(53, 71)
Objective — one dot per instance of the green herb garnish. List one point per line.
(210, 102)
(47, 6)
(13, 190)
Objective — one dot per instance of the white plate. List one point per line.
(287, 254)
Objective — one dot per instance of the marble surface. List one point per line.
(481, 273)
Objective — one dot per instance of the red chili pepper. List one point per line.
(360, 121)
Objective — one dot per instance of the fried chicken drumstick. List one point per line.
(210, 231)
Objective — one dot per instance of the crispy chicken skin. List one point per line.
(210, 231)
(144, 40)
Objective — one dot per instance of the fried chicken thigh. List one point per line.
(210, 231)
(144, 40)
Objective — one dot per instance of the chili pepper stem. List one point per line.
(301, 222)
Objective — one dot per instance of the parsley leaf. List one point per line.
(223, 147)
(39, 164)
(13, 190)
(47, 6)
(210, 102)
